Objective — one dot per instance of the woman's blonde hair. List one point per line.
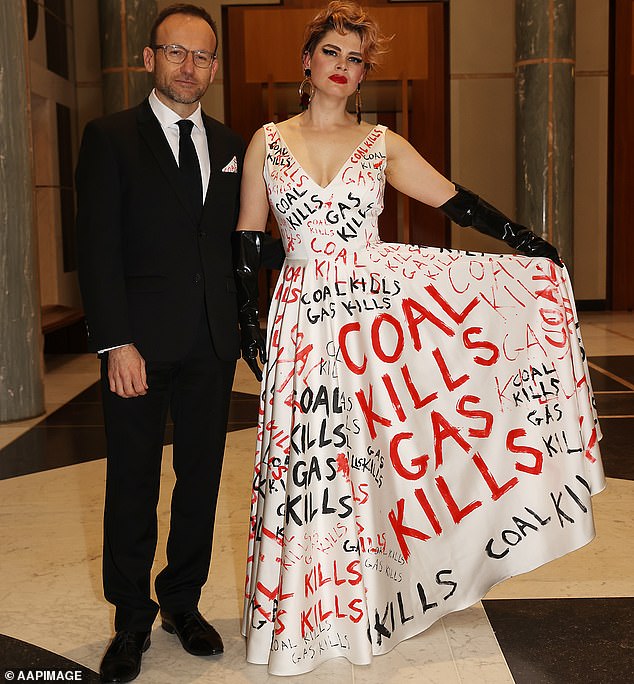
(344, 16)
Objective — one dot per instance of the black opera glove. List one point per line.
(273, 253)
(467, 209)
(247, 259)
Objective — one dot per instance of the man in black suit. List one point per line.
(160, 300)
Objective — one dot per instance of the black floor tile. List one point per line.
(615, 404)
(616, 447)
(621, 366)
(43, 448)
(75, 413)
(244, 411)
(24, 661)
(560, 641)
(603, 383)
(91, 394)
(237, 397)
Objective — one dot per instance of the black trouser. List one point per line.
(197, 391)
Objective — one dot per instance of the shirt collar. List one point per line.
(168, 117)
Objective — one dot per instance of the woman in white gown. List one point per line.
(427, 427)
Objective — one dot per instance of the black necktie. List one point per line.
(189, 165)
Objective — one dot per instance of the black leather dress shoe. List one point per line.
(195, 633)
(122, 659)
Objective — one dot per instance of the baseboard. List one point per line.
(591, 304)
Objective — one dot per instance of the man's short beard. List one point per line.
(176, 97)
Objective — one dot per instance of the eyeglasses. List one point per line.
(177, 54)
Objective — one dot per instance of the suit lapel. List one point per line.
(151, 131)
(215, 145)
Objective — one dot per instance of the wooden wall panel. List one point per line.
(262, 46)
(243, 101)
(429, 126)
(276, 51)
(620, 223)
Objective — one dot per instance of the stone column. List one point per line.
(544, 91)
(21, 389)
(125, 28)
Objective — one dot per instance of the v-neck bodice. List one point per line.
(372, 134)
(322, 220)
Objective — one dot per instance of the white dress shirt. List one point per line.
(168, 120)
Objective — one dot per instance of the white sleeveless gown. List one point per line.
(427, 426)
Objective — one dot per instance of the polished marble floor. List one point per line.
(569, 621)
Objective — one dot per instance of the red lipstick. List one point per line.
(338, 78)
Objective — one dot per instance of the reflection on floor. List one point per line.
(570, 620)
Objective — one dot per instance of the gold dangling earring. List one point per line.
(305, 96)
(357, 102)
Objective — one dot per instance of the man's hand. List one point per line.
(126, 372)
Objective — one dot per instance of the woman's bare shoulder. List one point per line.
(289, 125)
(257, 145)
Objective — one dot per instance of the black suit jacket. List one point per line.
(147, 266)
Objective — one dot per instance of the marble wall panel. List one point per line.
(546, 171)
(122, 46)
(140, 17)
(110, 27)
(113, 98)
(532, 144)
(21, 389)
(139, 85)
(563, 157)
(533, 38)
(545, 48)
